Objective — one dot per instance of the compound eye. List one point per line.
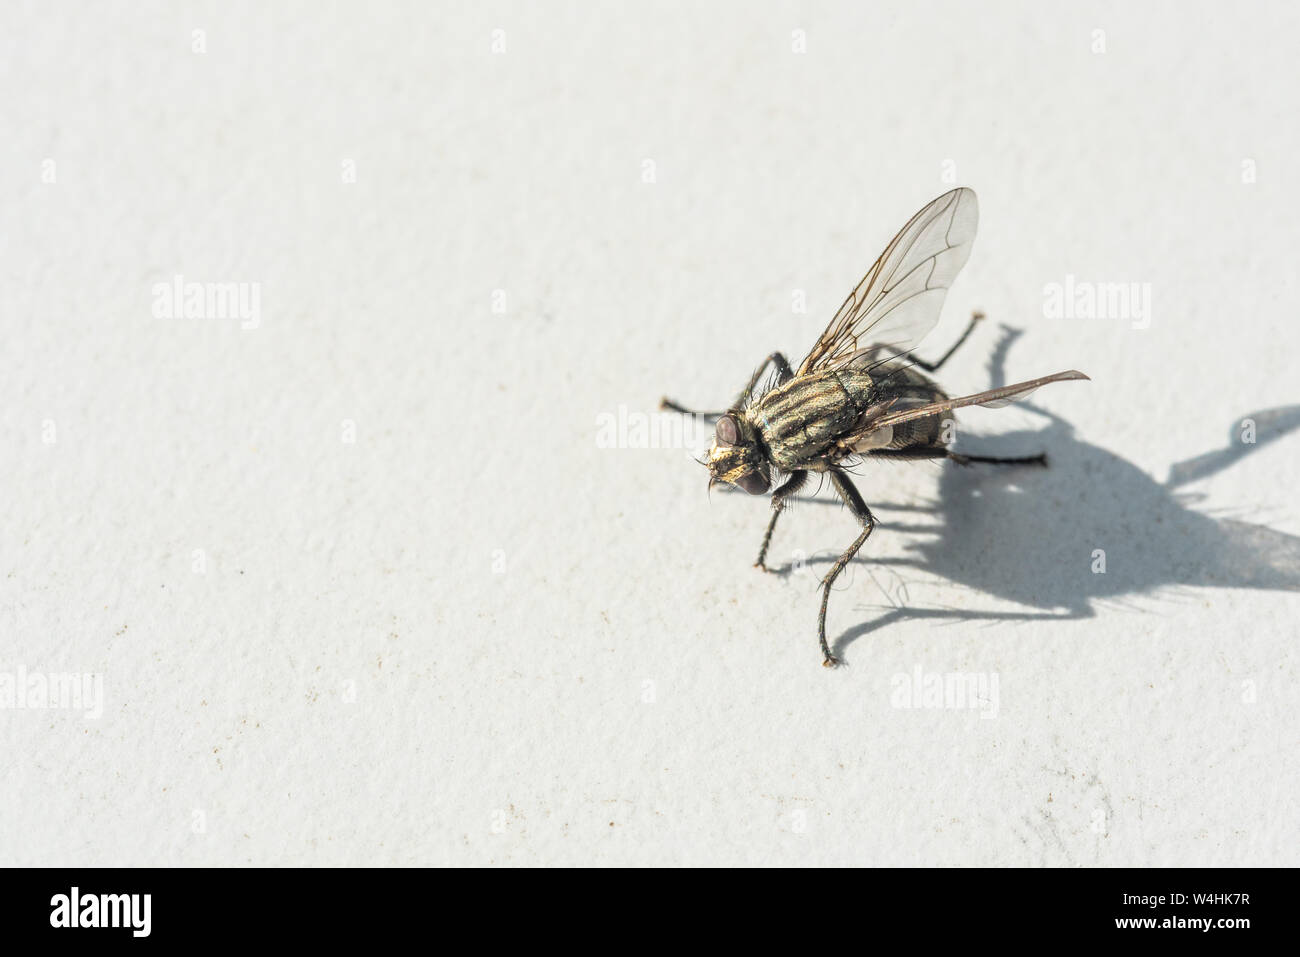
(726, 432)
(753, 482)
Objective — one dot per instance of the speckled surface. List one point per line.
(365, 581)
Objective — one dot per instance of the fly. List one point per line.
(860, 393)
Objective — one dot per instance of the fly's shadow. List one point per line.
(1091, 530)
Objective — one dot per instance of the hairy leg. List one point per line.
(863, 514)
(792, 484)
(783, 374)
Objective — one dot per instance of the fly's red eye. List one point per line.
(726, 432)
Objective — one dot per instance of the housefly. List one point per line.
(860, 393)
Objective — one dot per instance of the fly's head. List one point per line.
(737, 457)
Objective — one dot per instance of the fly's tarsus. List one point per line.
(935, 366)
(1039, 460)
(668, 405)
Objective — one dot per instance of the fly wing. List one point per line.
(992, 399)
(897, 302)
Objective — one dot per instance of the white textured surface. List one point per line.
(436, 644)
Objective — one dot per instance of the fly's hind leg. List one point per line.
(938, 452)
(934, 366)
(863, 514)
(1040, 459)
(783, 374)
(788, 488)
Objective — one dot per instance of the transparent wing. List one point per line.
(993, 399)
(898, 301)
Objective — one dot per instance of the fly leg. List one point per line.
(669, 405)
(1040, 459)
(934, 366)
(863, 514)
(941, 453)
(788, 488)
(783, 374)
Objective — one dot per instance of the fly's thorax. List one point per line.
(800, 421)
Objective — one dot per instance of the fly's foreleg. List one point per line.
(934, 366)
(668, 405)
(863, 514)
(788, 488)
(783, 374)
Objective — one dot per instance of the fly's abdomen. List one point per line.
(800, 421)
(909, 384)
